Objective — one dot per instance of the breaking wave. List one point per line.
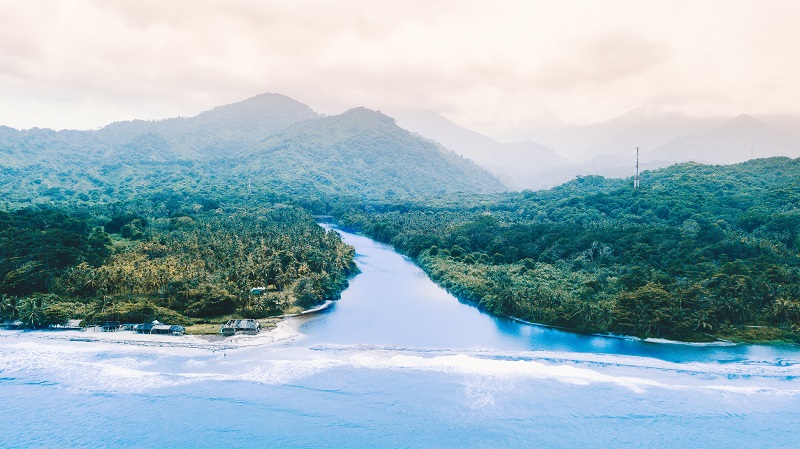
(110, 367)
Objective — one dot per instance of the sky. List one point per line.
(493, 66)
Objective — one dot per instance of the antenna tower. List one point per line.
(636, 177)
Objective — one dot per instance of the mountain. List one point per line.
(665, 138)
(529, 165)
(362, 152)
(645, 128)
(787, 124)
(736, 140)
(521, 165)
(269, 141)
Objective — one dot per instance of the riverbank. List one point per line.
(725, 336)
(716, 342)
(268, 323)
(731, 336)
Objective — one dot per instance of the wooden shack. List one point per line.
(69, 325)
(244, 326)
(110, 326)
(159, 328)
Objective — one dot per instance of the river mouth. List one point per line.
(393, 303)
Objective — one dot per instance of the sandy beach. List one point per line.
(286, 329)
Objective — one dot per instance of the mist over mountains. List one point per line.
(519, 164)
(540, 158)
(735, 140)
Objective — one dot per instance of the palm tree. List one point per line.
(3, 306)
(33, 315)
(701, 318)
(9, 308)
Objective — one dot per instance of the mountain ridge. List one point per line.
(266, 135)
(735, 140)
(518, 162)
(374, 147)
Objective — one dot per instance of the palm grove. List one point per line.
(182, 268)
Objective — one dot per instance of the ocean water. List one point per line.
(397, 362)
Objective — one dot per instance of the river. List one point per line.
(398, 362)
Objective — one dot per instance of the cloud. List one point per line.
(487, 64)
(601, 61)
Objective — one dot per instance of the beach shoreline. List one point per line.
(284, 330)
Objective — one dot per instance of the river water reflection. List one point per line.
(393, 303)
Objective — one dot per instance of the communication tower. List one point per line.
(636, 177)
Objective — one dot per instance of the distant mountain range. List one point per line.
(268, 141)
(736, 140)
(608, 148)
(515, 163)
(221, 132)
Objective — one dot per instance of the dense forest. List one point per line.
(696, 252)
(196, 264)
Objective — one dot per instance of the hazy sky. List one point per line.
(491, 65)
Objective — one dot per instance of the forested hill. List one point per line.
(698, 250)
(362, 153)
(264, 146)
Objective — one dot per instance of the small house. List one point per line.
(110, 326)
(143, 328)
(159, 328)
(246, 326)
(69, 325)
(167, 329)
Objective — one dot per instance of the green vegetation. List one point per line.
(698, 251)
(178, 269)
(362, 154)
(269, 148)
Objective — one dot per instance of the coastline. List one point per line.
(282, 330)
(319, 308)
